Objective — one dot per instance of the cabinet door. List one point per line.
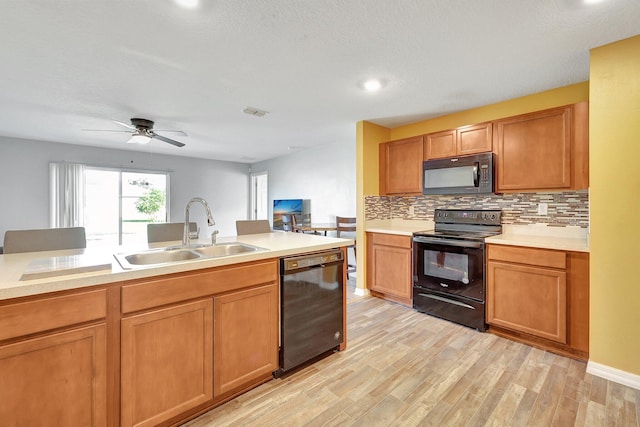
(534, 151)
(440, 144)
(167, 362)
(389, 266)
(527, 299)
(474, 139)
(58, 379)
(401, 166)
(245, 337)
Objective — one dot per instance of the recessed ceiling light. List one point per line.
(592, 1)
(372, 85)
(188, 4)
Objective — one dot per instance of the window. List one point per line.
(119, 205)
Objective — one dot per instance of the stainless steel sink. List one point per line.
(158, 257)
(225, 249)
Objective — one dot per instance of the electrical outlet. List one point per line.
(542, 208)
(412, 210)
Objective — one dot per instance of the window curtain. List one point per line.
(67, 189)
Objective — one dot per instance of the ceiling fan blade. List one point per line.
(105, 130)
(170, 130)
(170, 141)
(127, 125)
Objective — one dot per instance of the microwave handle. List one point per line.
(476, 174)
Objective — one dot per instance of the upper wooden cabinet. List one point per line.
(545, 150)
(459, 142)
(401, 166)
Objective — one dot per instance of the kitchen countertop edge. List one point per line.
(277, 245)
(572, 239)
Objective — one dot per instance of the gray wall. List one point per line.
(326, 175)
(24, 185)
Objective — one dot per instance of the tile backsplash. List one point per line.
(564, 209)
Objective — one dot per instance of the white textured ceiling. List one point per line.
(67, 65)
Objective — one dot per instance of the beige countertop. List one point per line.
(536, 236)
(574, 239)
(398, 226)
(276, 244)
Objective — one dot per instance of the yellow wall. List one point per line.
(370, 135)
(526, 104)
(614, 147)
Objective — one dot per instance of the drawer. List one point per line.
(176, 288)
(390, 240)
(44, 314)
(530, 256)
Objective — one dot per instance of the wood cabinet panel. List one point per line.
(532, 256)
(440, 144)
(390, 240)
(528, 299)
(245, 337)
(474, 139)
(389, 267)
(578, 300)
(401, 166)
(180, 287)
(48, 313)
(459, 142)
(167, 362)
(524, 297)
(59, 379)
(536, 151)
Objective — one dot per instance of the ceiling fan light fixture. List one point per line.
(139, 138)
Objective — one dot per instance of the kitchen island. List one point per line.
(146, 346)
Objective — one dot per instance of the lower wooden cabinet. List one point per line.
(539, 296)
(245, 337)
(389, 267)
(167, 362)
(58, 379)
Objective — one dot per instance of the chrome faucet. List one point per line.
(186, 237)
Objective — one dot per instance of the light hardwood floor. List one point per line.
(404, 368)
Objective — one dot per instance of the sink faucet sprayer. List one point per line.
(186, 237)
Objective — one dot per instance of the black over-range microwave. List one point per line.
(458, 175)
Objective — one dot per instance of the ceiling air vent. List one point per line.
(255, 111)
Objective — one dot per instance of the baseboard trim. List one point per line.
(361, 292)
(613, 374)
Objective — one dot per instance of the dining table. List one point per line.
(316, 227)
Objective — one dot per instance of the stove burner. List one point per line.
(464, 224)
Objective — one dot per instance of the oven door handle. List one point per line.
(448, 242)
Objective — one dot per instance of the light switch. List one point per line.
(542, 208)
(411, 210)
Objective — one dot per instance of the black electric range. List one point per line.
(449, 265)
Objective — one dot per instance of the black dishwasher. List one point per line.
(311, 307)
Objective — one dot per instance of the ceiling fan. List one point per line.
(142, 132)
